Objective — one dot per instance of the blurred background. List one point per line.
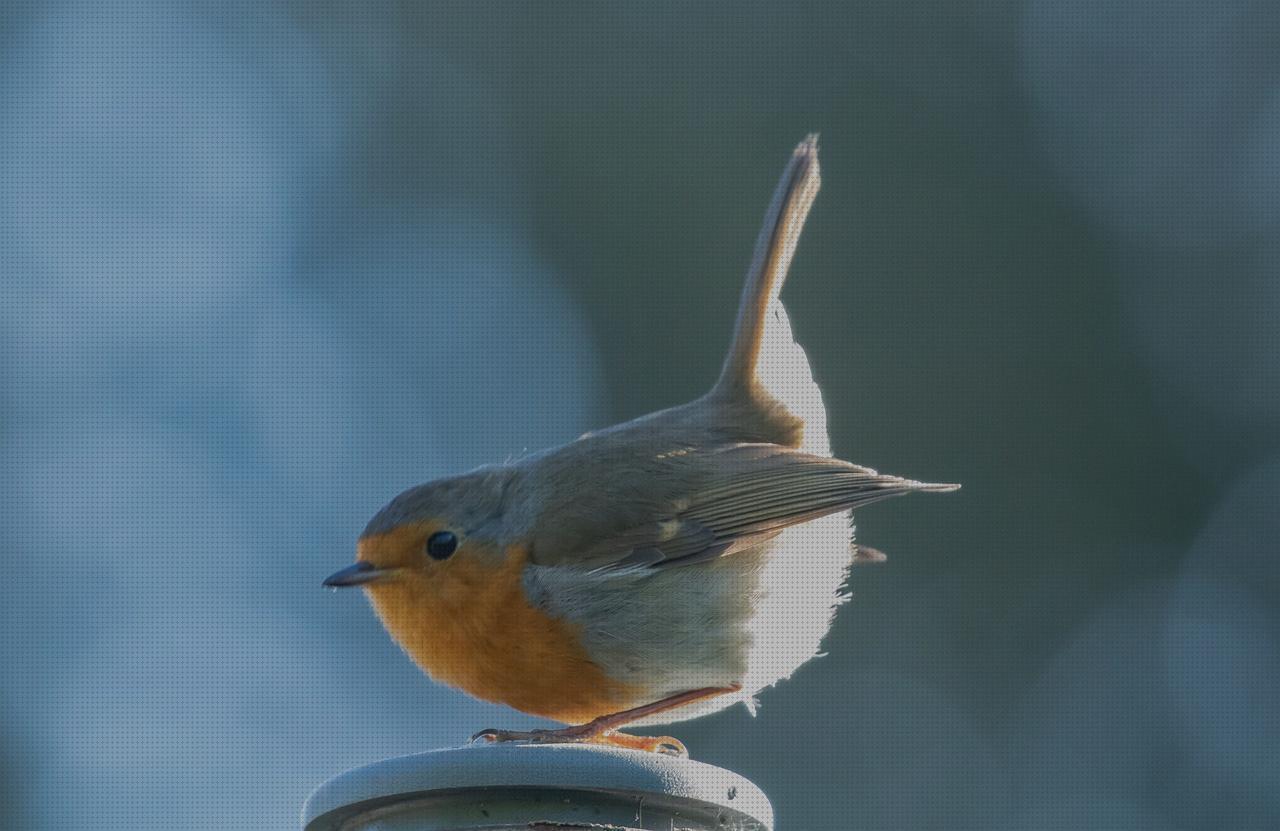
(263, 265)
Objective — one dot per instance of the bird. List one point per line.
(650, 572)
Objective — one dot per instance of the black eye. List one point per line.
(441, 544)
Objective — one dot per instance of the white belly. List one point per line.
(748, 619)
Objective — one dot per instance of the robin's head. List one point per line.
(428, 530)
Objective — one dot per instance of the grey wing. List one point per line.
(743, 494)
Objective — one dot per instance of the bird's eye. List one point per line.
(441, 544)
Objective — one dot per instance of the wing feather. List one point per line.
(739, 495)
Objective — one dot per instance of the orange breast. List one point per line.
(469, 624)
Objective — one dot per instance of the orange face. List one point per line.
(465, 619)
(406, 547)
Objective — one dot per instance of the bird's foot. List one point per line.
(586, 734)
(604, 730)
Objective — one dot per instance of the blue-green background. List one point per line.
(264, 265)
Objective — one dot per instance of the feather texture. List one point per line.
(742, 495)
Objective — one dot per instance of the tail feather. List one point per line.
(765, 367)
(775, 247)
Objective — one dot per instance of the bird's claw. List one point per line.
(669, 746)
(666, 745)
(497, 736)
(490, 735)
(494, 736)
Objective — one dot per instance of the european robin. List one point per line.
(650, 572)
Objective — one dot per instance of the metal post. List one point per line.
(537, 788)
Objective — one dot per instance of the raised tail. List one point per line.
(765, 368)
(774, 249)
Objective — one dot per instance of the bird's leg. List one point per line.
(603, 730)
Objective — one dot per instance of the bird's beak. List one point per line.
(356, 574)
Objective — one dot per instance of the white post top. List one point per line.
(562, 786)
